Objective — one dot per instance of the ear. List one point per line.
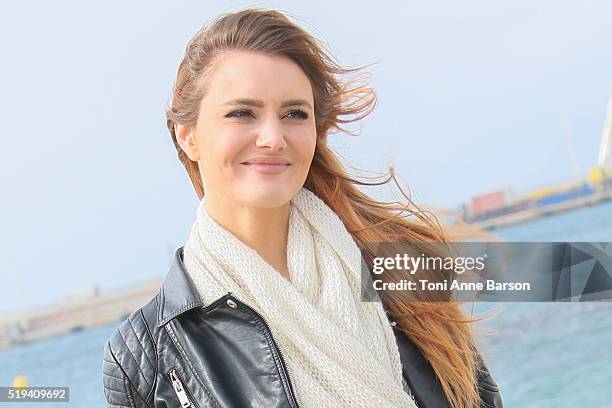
(185, 137)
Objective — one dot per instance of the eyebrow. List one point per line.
(260, 104)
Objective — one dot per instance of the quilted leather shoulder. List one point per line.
(130, 360)
(489, 391)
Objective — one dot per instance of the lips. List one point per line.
(267, 160)
(267, 165)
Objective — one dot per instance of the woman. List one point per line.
(261, 307)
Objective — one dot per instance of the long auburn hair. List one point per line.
(441, 330)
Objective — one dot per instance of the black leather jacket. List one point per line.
(176, 352)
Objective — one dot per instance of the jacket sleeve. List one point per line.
(116, 385)
(130, 365)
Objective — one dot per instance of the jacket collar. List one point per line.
(177, 295)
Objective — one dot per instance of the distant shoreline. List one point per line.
(74, 315)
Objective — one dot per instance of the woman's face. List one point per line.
(256, 108)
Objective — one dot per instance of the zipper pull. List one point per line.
(179, 389)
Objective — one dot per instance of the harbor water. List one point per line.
(540, 354)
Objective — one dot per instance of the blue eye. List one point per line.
(240, 113)
(301, 114)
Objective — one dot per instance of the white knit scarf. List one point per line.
(341, 352)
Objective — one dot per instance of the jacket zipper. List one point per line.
(179, 389)
(286, 369)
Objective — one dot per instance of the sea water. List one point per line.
(553, 354)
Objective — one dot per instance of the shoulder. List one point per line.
(130, 359)
(489, 391)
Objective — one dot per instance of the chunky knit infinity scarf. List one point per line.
(341, 352)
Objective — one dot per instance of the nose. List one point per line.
(271, 135)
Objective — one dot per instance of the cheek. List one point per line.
(220, 155)
(305, 144)
(227, 149)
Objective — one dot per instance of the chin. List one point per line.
(267, 196)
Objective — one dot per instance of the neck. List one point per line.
(263, 229)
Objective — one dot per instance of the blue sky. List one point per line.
(473, 96)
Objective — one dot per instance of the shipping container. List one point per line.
(488, 202)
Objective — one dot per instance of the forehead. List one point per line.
(244, 74)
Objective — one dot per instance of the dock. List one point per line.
(74, 315)
(536, 212)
